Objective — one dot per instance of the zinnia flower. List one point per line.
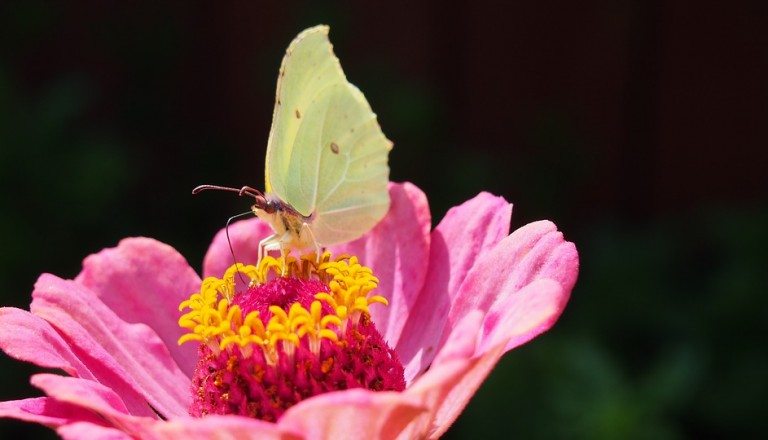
(458, 298)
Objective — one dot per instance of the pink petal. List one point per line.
(535, 251)
(144, 280)
(526, 314)
(245, 236)
(462, 342)
(216, 427)
(81, 430)
(464, 386)
(93, 396)
(451, 364)
(28, 338)
(465, 232)
(352, 414)
(543, 253)
(129, 358)
(46, 411)
(397, 250)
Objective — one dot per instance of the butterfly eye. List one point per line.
(271, 206)
(264, 204)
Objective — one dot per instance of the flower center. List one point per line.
(272, 336)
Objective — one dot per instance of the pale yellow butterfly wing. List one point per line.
(326, 155)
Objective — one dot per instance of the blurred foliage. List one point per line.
(662, 339)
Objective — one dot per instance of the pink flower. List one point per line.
(459, 296)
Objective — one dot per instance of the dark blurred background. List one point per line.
(639, 127)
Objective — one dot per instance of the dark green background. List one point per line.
(639, 127)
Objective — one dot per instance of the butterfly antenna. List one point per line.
(261, 203)
(261, 200)
(231, 249)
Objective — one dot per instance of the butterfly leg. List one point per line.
(305, 228)
(267, 245)
(277, 242)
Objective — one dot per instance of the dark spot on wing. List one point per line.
(335, 148)
(298, 114)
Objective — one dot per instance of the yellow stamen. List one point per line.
(212, 318)
(351, 283)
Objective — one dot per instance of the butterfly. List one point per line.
(327, 159)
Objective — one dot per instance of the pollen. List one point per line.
(274, 334)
